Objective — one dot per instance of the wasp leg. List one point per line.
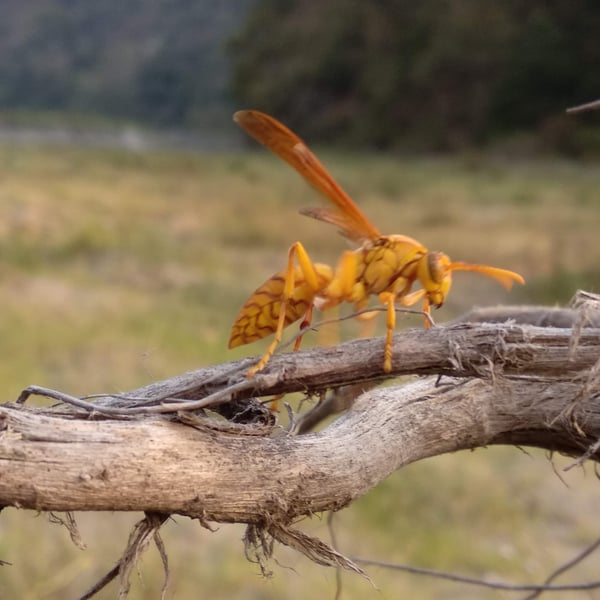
(298, 252)
(305, 323)
(388, 298)
(342, 286)
(427, 311)
(413, 298)
(303, 326)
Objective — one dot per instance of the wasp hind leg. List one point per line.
(298, 252)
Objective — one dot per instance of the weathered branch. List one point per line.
(531, 387)
(162, 450)
(462, 350)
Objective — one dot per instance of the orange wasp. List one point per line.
(383, 265)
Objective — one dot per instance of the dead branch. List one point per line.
(529, 389)
(461, 350)
(203, 445)
(584, 107)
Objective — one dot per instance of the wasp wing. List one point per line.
(333, 217)
(289, 147)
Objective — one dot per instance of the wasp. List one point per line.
(385, 266)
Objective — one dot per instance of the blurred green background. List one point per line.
(134, 223)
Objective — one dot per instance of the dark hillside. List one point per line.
(158, 60)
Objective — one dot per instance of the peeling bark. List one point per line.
(502, 384)
(203, 445)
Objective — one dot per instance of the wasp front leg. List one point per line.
(414, 297)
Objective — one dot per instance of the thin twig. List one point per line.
(584, 107)
(496, 585)
(214, 399)
(175, 405)
(565, 567)
(592, 449)
(36, 390)
(101, 583)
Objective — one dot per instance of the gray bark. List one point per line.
(502, 384)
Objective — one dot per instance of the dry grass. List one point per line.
(117, 269)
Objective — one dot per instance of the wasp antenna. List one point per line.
(503, 276)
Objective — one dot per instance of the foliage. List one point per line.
(159, 60)
(430, 74)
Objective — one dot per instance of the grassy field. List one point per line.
(117, 269)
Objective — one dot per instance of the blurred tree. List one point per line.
(164, 92)
(158, 60)
(435, 74)
(552, 61)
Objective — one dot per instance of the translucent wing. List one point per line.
(288, 146)
(333, 217)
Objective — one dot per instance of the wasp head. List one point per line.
(434, 273)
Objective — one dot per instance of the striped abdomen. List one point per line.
(258, 317)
